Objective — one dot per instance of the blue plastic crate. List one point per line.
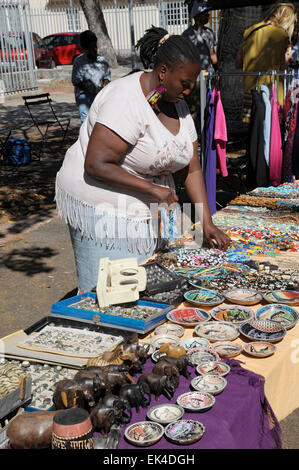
(141, 326)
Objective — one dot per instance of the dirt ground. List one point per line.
(37, 267)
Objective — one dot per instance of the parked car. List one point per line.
(13, 51)
(62, 48)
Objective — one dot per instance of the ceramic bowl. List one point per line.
(243, 296)
(289, 297)
(192, 343)
(214, 368)
(144, 433)
(217, 331)
(213, 384)
(158, 340)
(170, 329)
(198, 355)
(203, 297)
(236, 314)
(259, 349)
(263, 330)
(227, 348)
(188, 316)
(166, 413)
(196, 401)
(283, 314)
(185, 431)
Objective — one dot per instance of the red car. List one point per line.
(62, 48)
(13, 51)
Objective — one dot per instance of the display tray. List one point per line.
(15, 399)
(141, 325)
(160, 279)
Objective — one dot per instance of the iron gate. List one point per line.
(17, 57)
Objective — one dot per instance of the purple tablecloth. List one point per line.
(241, 417)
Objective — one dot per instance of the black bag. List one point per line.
(17, 152)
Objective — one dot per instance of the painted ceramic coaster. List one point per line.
(185, 431)
(196, 401)
(198, 355)
(158, 340)
(188, 316)
(283, 314)
(192, 343)
(263, 330)
(259, 349)
(235, 314)
(217, 331)
(171, 329)
(243, 296)
(227, 348)
(203, 297)
(214, 368)
(166, 413)
(213, 384)
(144, 433)
(289, 297)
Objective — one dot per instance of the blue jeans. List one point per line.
(88, 252)
(84, 101)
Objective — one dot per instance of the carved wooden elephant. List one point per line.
(171, 350)
(181, 363)
(81, 393)
(164, 368)
(158, 384)
(135, 394)
(103, 417)
(120, 404)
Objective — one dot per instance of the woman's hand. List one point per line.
(214, 237)
(166, 195)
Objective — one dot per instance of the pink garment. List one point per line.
(220, 133)
(276, 156)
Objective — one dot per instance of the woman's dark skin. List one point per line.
(106, 149)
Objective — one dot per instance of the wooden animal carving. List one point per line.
(159, 385)
(171, 350)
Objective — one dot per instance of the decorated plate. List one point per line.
(217, 331)
(243, 296)
(157, 355)
(236, 314)
(283, 314)
(289, 297)
(144, 433)
(227, 348)
(171, 329)
(202, 297)
(214, 368)
(185, 431)
(188, 316)
(213, 384)
(263, 330)
(196, 401)
(259, 349)
(158, 340)
(198, 355)
(192, 343)
(166, 413)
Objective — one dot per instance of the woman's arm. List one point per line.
(105, 151)
(195, 187)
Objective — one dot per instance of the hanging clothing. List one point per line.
(220, 133)
(257, 170)
(287, 170)
(275, 157)
(210, 152)
(267, 121)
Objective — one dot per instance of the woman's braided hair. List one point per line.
(175, 50)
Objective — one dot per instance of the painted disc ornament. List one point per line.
(214, 368)
(263, 330)
(283, 314)
(196, 401)
(259, 349)
(185, 431)
(213, 384)
(166, 413)
(236, 314)
(188, 316)
(203, 297)
(289, 297)
(217, 331)
(227, 348)
(144, 433)
(243, 296)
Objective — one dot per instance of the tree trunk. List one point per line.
(96, 23)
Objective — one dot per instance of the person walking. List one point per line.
(91, 72)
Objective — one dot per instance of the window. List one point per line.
(176, 13)
(73, 19)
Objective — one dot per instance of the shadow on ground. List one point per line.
(30, 261)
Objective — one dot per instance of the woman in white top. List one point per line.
(138, 133)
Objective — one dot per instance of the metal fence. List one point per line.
(171, 15)
(17, 63)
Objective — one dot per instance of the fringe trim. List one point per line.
(101, 225)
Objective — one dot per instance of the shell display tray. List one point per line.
(139, 316)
